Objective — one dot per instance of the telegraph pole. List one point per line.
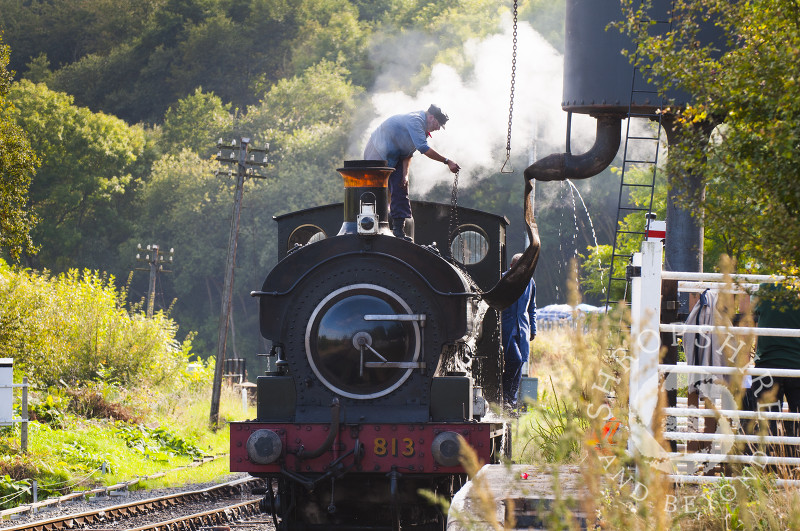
(244, 157)
(156, 258)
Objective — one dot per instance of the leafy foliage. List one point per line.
(17, 164)
(195, 123)
(87, 163)
(596, 263)
(12, 491)
(69, 327)
(49, 411)
(156, 443)
(747, 82)
(16, 473)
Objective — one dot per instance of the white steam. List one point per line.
(478, 106)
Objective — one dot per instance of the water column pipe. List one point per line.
(600, 81)
(562, 166)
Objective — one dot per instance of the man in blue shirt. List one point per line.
(395, 141)
(519, 329)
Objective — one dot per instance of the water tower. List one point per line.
(599, 81)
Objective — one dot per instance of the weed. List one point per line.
(157, 443)
(552, 427)
(50, 410)
(13, 492)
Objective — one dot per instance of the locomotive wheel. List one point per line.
(364, 503)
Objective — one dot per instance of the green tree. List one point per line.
(66, 30)
(748, 82)
(17, 164)
(329, 30)
(216, 53)
(88, 160)
(320, 94)
(196, 123)
(185, 206)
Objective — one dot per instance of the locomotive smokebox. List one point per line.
(366, 197)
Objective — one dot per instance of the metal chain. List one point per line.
(454, 217)
(453, 229)
(511, 98)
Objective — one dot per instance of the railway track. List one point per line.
(219, 506)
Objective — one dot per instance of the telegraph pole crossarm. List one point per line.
(156, 259)
(247, 159)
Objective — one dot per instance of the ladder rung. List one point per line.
(644, 115)
(645, 91)
(632, 161)
(643, 138)
(619, 278)
(638, 185)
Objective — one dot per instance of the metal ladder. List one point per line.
(620, 260)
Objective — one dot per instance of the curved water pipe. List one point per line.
(562, 166)
(555, 167)
(510, 288)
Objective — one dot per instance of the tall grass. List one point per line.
(628, 490)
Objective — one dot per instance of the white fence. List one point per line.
(645, 377)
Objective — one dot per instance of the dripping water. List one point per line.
(591, 225)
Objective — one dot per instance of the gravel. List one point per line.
(80, 504)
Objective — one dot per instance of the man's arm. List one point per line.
(432, 154)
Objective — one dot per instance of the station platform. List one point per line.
(529, 496)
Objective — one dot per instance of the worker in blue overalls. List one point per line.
(519, 329)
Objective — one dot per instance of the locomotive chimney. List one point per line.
(366, 197)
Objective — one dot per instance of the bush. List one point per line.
(75, 327)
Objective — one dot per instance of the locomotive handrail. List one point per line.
(395, 364)
(396, 317)
(323, 262)
(332, 434)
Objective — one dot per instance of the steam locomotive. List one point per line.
(386, 356)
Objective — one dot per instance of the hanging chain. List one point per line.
(453, 227)
(511, 98)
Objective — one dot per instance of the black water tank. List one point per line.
(597, 77)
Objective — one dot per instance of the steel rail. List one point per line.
(132, 509)
(213, 517)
